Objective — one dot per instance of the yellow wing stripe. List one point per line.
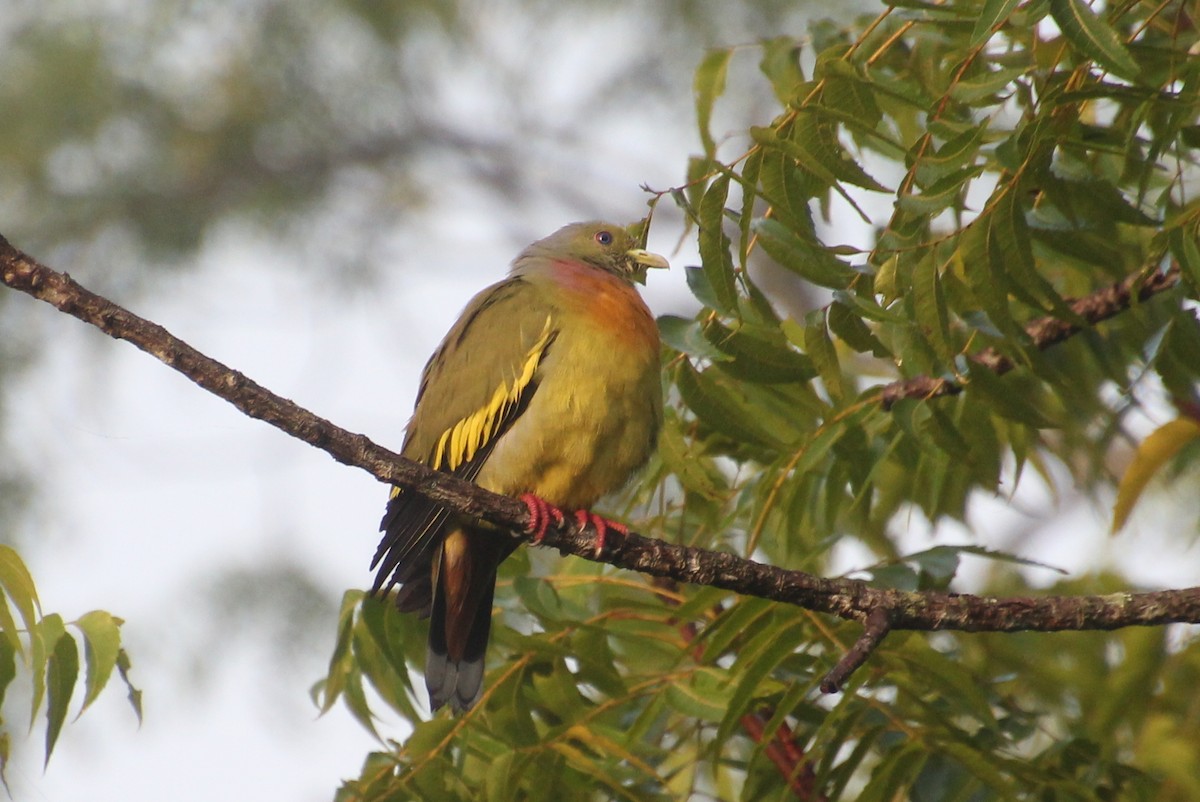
(460, 443)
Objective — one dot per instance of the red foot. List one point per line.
(584, 518)
(541, 513)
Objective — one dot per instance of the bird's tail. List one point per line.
(464, 581)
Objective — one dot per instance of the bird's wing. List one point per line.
(476, 384)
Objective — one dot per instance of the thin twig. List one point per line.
(875, 629)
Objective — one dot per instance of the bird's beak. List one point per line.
(643, 259)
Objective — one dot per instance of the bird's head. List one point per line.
(607, 246)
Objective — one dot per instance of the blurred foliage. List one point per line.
(144, 127)
(1030, 153)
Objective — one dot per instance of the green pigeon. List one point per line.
(547, 388)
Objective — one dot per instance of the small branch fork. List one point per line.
(879, 609)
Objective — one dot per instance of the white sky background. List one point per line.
(150, 489)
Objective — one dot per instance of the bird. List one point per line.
(547, 388)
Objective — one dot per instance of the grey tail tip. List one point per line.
(459, 684)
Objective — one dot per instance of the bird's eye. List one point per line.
(604, 237)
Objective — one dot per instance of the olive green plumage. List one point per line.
(548, 384)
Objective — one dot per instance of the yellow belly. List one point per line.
(592, 422)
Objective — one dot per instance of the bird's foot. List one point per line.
(601, 525)
(541, 513)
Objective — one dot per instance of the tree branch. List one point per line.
(1044, 332)
(844, 598)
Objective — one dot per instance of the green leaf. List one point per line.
(1004, 400)
(708, 85)
(817, 164)
(929, 308)
(868, 308)
(44, 638)
(994, 14)
(735, 621)
(694, 472)
(851, 330)
(756, 661)
(982, 89)
(102, 643)
(341, 661)
(714, 246)
(597, 661)
(374, 662)
(817, 137)
(941, 429)
(785, 187)
(5, 754)
(751, 172)
(852, 99)
(781, 64)
(1012, 258)
(943, 194)
(501, 780)
(980, 259)
(725, 407)
(688, 199)
(702, 290)
(12, 635)
(960, 151)
(801, 157)
(807, 260)
(428, 735)
(820, 349)
(539, 597)
(817, 448)
(556, 691)
(704, 696)
(885, 282)
(897, 770)
(61, 673)
(135, 694)
(997, 556)
(379, 617)
(355, 699)
(8, 671)
(1093, 37)
(1182, 240)
(760, 354)
(687, 337)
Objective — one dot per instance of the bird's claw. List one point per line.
(541, 513)
(601, 525)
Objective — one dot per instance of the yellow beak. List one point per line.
(647, 259)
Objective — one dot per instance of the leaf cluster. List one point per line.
(1029, 155)
(42, 646)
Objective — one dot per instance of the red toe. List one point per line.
(541, 513)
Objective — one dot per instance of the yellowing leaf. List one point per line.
(102, 644)
(1155, 451)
